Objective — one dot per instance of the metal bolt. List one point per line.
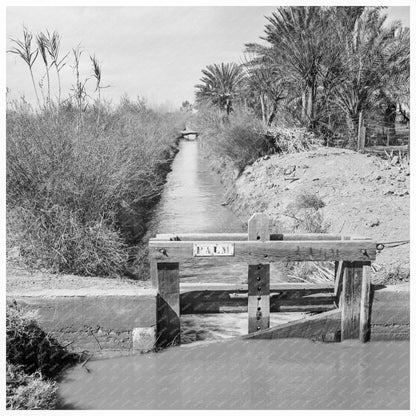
(259, 288)
(259, 309)
(258, 278)
(258, 328)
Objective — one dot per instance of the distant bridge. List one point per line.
(184, 134)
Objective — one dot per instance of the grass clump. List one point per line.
(33, 361)
(306, 211)
(29, 391)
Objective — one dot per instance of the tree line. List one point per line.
(323, 68)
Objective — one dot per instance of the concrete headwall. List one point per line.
(102, 325)
(109, 325)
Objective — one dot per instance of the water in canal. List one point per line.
(217, 373)
(247, 374)
(192, 198)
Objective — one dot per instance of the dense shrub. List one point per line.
(80, 189)
(239, 138)
(30, 348)
(33, 360)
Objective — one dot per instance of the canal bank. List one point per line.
(104, 318)
(111, 317)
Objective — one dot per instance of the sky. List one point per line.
(156, 53)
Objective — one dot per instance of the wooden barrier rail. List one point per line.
(244, 237)
(258, 248)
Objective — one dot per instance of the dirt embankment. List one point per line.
(361, 195)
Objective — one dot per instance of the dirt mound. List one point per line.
(360, 194)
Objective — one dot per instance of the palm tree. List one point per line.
(298, 36)
(374, 59)
(266, 84)
(220, 85)
(395, 91)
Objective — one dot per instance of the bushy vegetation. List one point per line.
(292, 140)
(82, 175)
(29, 391)
(33, 361)
(78, 198)
(240, 139)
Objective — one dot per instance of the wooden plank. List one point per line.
(258, 297)
(323, 327)
(243, 287)
(351, 299)
(258, 277)
(167, 305)
(215, 303)
(256, 252)
(383, 149)
(244, 237)
(365, 304)
(202, 237)
(339, 270)
(186, 132)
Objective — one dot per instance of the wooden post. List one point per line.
(167, 305)
(365, 304)
(362, 143)
(360, 115)
(258, 278)
(339, 272)
(153, 274)
(355, 301)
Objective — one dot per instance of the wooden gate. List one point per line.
(258, 248)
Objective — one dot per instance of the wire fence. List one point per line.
(376, 134)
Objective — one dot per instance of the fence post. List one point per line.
(167, 304)
(363, 132)
(258, 278)
(355, 299)
(360, 115)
